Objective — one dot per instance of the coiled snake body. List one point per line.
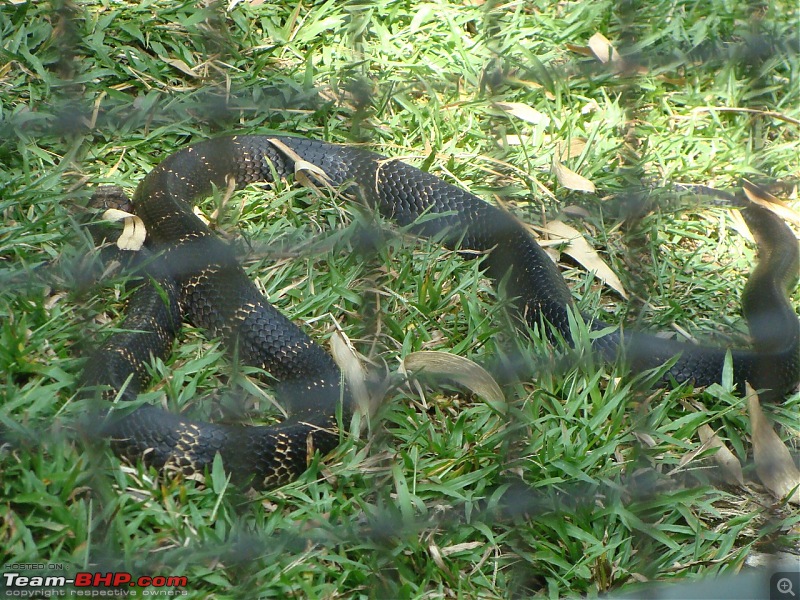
(197, 277)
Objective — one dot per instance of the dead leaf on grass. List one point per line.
(579, 249)
(306, 173)
(571, 149)
(180, 65)
(605, 51)
(774, 463)
(346, 357)
(457, 369)
(570, 179)
(730, 467)
(133, 229)
(524, 112)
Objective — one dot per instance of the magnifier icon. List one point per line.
(785, 587)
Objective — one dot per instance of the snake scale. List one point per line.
(195, 276)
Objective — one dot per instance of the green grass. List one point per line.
(579, 488)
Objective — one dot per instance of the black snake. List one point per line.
(196, 276)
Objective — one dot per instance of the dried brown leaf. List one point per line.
(605, 51)
(306, 173)
(572, 149)
(774, 463)
(524, 112)
(133, 230)
(582, 50)
(346, 357)
(570, 179)
(462, 547)
(180, 65)
(730, 467)
(517, 140)
(457, 369)
(579, 249)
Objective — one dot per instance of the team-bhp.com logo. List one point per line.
(115, 583)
